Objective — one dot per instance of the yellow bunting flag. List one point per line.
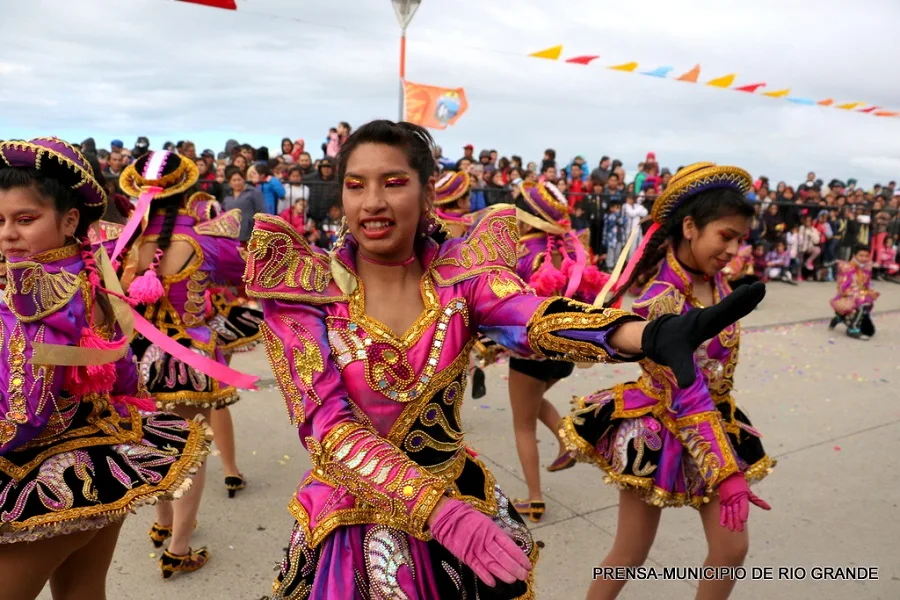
(778, 93)
(626, 67)
(850, 105)
(550, 53)
(691, 75)
(722, 82)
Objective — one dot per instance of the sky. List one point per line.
(293, 68)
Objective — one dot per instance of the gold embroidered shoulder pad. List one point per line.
(281, 264)
(490, 245)
(845, 266)
(659, 298)
(227, 225)
(33, 294)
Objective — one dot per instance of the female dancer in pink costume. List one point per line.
(553, 260)
(177, 257)
(667, 440)
(77, 450)
(397, 505)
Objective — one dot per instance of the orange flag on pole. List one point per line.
(433, 107)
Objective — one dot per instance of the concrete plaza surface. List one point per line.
(829, 408)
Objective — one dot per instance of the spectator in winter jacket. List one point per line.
(602, 172)
(324, 190)
(613, 234)
(270, 188)
(207, 181)
(295, 214)
(248, 199)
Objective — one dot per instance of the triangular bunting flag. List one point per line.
(582, 60)
(778, 93)
(722, 82)
(550, 53)
(826, 102)
(658, 72)
(806, 101)
(691, 75)
(226, 4)
(871, 109)
(749, 88)
(849, 105)
(887, 113)
(626, 67)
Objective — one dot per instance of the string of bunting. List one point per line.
(725, 82)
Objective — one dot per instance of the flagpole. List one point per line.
(405, 9)
(402, 70)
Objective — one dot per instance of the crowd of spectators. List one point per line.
(799, 232)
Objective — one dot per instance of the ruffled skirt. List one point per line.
(92, 465)
(175, 383)
(641, 454)
(236, 325)
(369, 562)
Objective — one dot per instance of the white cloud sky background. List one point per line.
(169, 70)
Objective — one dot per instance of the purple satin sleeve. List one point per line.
(229, 261)
(598, 337)
(28, 392)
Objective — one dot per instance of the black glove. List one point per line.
(671, 340)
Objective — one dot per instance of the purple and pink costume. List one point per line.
(671, 446)
(71, 462)
(182, 311)
(379, 412)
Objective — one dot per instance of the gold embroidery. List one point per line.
(669, 300)
(494, 239)
(700, 448)
(285, 258)
(46, 292)
(542, 329)
(18, 407)
(505, 286)
(226, 225)
(307, 357)
(195, 306)
(377, 329)
(282, 370)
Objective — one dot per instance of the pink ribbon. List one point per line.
(205, 365)
(140, 211)
(635, 257)
(580, 263)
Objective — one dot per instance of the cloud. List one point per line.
(173, 71)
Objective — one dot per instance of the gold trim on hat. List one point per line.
(548, 197)
(180, 180)
(462, 191)
(694, 178)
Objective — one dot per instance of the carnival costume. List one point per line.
(77, 449)
(179, 306)
(379, 412)
(855, 299)
(674, 444)
(450, 190)
(236, 324)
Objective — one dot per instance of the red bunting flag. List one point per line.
(869, 110)
(226, 4)
(582, 60)
(750, 88)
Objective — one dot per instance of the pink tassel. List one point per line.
(547, 281)
(93, 379)
(592, 281)
(148, 289)
(143, 404)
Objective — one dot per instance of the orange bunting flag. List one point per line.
(750, 88)
(582, 60)
(722, 82)
(433, 107)
(850, 105)
(226, 4)
(887, 113)
(691, 75)
(826, 102)
(778, 93)
(626, 67)
(550, 53)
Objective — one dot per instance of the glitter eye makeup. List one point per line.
(396, 180)
(353, 183)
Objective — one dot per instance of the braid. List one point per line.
(168, 226)
(654, 252)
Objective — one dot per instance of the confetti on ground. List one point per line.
(837, 448)
(153, 555)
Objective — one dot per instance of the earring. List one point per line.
(342, 232)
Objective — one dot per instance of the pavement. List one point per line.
(828, 406)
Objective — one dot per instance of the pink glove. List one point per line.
(479, 543)
(734, 502)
